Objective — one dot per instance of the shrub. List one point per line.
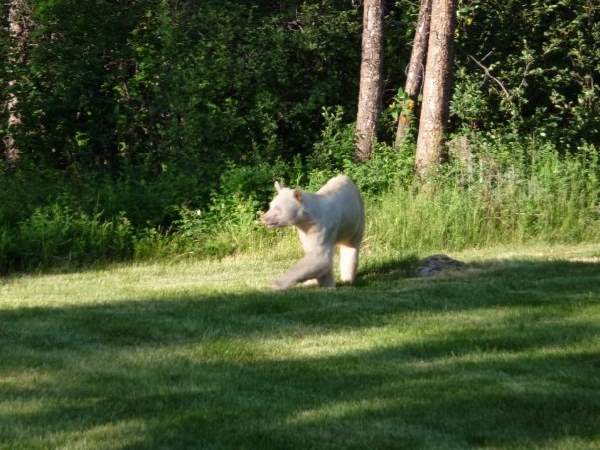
(334, 154)
(58, 235)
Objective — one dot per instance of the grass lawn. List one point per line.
(202, 355)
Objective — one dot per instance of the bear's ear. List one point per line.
(277, 186)
(298, 195)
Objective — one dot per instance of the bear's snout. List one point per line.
(269, 221)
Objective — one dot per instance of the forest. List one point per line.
(155, 128)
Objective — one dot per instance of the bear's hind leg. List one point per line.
(348, 263)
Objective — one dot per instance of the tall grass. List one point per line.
(548, 198)
(506, 192)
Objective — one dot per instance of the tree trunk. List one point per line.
(369, 97)
(19, 24)
(416, 68)
(436, 86)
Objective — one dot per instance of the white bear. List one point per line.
(334, 216)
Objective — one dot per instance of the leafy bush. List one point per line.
(544, 60)
(334, 154)
(57, 235)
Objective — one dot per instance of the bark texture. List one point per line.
(436, 86)
(416, 69)
(369, 97)
(19, 23)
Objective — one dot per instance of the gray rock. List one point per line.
(437, 264)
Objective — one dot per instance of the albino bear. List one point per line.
(334, 216)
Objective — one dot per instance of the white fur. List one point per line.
(334, 216)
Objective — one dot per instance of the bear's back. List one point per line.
(342, 206)
(337, 184)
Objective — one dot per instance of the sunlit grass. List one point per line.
(200, 354)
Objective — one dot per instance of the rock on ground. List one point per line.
(437, 264)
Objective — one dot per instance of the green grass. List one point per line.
(201, 355)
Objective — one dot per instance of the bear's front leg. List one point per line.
(311, 266)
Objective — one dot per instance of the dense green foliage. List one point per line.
(153, 83)
(545, 55)
(157, 126)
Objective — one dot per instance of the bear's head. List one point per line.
(285, 209)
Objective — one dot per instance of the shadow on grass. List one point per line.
(387, 270)
(502, 358)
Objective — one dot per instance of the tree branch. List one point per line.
(489, 75)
